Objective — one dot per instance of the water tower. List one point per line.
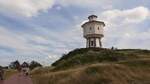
(93, 32)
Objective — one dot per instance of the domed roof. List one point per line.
(91, 16)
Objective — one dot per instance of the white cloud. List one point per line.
(134, 15)
(122, 30)
(25, 8)
(137, 14)
(21, 46)
(9, 39)
(45, 42)
(49, 45)
(135, 40)
(87, 3)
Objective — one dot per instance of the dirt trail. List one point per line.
(17, 79)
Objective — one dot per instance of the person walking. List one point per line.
(25, 68)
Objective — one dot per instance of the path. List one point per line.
(17, 79)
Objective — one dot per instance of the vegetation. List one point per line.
(13, 64)
(97, 66)
(12, 68)
(96, 74)
(9, 72)
(94, 66)
(34, 64)
(93, 55)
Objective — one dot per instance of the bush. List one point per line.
(34, 64)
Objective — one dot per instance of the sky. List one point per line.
(44, 30)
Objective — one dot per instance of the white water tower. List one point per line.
(93, 32)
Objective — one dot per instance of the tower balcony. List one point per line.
(93, 36)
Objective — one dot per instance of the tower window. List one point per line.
(98, 28)
(90, 28)
(92, 43)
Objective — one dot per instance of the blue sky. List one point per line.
(43, 30)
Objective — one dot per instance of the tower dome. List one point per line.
(92, 18)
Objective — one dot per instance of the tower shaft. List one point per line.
(92, 42)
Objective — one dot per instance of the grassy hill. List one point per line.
(97, 66)
(97, 55)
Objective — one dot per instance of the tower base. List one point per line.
(93, 42)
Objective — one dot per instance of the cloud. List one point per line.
(135, 39)
(87, 3)
(9, 39)
(122, 28)
(134, 15)
(21, 47)
(44, 44)
(47, 45)
(25, 8)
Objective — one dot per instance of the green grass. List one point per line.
(97, 66)
(92, 55)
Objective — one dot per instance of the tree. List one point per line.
(25, 64)
(13, 65)
(34, 64)
(1, 67)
